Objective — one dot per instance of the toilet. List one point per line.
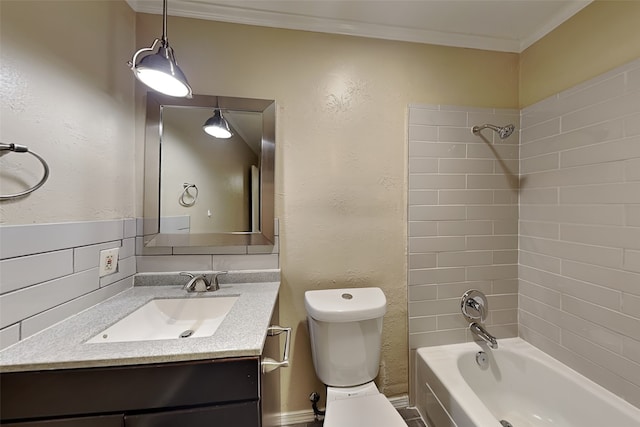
(345, 326)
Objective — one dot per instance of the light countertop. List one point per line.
(241, 333)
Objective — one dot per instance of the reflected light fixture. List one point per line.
(160, 70)
(217, 126)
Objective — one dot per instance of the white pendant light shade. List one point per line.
(217, 126)
(159, 70)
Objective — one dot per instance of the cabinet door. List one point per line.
(66, 393)
(245, 414)
(101, 421)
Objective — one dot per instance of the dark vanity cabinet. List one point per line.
(217, 392)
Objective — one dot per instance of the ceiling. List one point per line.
(500, 25)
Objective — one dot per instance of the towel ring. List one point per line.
(23, 149)
(185, 192)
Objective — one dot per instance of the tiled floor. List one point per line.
(410, 415)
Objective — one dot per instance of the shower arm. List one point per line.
(477, 129)
(503, 131)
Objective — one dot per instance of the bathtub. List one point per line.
(520, 386)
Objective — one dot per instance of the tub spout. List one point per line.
(482, 333)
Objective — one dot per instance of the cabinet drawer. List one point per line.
(101, 421)
(127, 388)
(237, 415)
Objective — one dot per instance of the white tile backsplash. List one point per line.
(20, 240)
(49, 272)
(609, 278)
(129, 228)
(605, 235)
(58, 313)
(612, 108)
(164, 263)
(631, 349)
(579, 97)
(631, 260)
(575, 289)
(9, 335)
(565, 199)
(462, 230)
(610, 151)
(26, 302)
(419, 149)
(128, 248)
(435, 117)
(20, 272)
(423, 133)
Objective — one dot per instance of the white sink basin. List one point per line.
(162, 319)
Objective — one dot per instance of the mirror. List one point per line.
(204, 191)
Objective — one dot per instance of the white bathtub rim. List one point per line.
(450, 387)
(456, 386)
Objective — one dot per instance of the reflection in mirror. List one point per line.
(206, 191)
(209, 184)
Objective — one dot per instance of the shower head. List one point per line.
(504, 132)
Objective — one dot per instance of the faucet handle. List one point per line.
(474, 305)
(214, 282)
(190, 286)
(187, 286)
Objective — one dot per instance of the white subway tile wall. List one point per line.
(221, 258)
(463, 221)
(579, 273)
(49, 272)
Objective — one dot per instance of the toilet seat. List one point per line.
(360, 406)
(338, 393)
(371, 411)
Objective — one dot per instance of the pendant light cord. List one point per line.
(164, 23)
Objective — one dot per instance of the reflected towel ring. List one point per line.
(186, 193)
(23, 149)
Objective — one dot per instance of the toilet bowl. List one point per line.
(360, 406)
(345, 327)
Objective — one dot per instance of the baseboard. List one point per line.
(306, 416)
(296, 417)
(400, 402)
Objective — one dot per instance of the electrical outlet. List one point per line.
(108, 262)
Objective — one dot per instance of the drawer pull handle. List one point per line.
(268, 364)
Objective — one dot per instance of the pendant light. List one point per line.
(217, 126)
(160, 70)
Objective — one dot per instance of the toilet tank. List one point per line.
(345, 328)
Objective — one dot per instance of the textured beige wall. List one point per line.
(68, 96)
(600, 37)
(341, 141)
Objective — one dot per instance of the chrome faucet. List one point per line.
(477, 329)
(192, 284)
(475, 307)
(209, 285)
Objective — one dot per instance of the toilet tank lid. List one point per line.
(345, 305)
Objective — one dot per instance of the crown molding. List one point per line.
(571, 8)
(238, 15)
